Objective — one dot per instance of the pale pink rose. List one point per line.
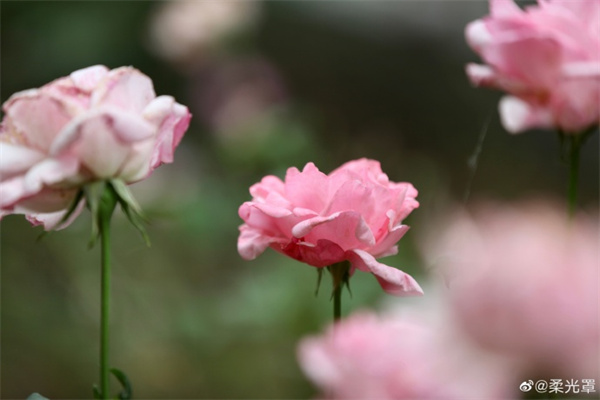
(399, 357)
(354, 214)
(524, 282)
(546, 57)
(93, 125)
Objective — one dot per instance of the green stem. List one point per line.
(105, 208)
(337, 303)
(340, 273)
(104, 306)
(574, 150)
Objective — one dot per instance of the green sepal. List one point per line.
(93, 194)
(340, 275)
(126, 393)
(319, 277)
(130, 207)
(65, 218)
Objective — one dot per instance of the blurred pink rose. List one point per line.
(399, 357)
(524, 282)
(94, 124)
(355, 214)
(546, 57)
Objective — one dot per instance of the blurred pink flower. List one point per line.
(546, 57)
(524, 282)
(399, 357)
(189, 31)
(354, 214)
(233, 95)
(93, 125)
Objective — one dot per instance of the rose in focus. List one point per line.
(546, 57)
(95, 124)
(353, 214)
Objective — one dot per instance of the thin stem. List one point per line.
(340, 273)
(105, 306)
(337, 302)
(574, 150)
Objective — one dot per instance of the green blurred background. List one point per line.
(281, 84)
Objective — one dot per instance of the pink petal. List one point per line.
(321, 254)
(392, 280)
(481, 75)
(253, 242)
(352, 195)
(266, 186)
(125, 88)
(172, 120)
(15, 159)
(104, 139)
(534, 59)
(37, 116)
(504, 8)
(347, 229)
(386, 246)
(517, 115)
(47, 172)
(51, 221)
(307, 189)
(478, 36)
(87, 79)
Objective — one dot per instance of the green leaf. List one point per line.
(126, 393)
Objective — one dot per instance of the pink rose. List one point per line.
(354, 214)
(524, 283)
(547, 57)
(93, 125)
(400, 357)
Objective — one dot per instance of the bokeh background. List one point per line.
(271, 85)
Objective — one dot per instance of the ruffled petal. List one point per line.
(308, 189)
(125, 88)
(253, 242)
(347, 228)
(172, 120)
(392, 280)
(321, 254)
(15, 159)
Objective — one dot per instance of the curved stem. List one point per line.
(104, 306)
(574, 149)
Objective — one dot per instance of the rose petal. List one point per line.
(308, 188)
(253, 242)
(518, 115)
(37, 116)
(321, 254)
(125, 88)
(348, 228)
(16, 158)
(87, 79)
(392, 280)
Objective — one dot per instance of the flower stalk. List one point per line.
(108, 202)
(340, 275)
